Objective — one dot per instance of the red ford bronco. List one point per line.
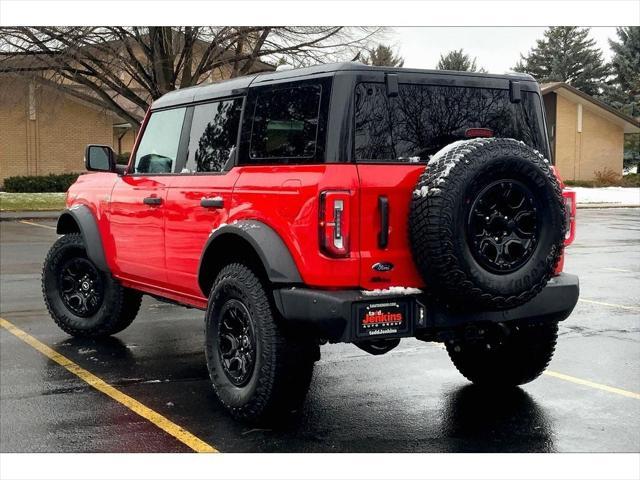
(337, 203)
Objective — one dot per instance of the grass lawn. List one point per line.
(31, 201)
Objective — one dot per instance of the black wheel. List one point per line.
(84, 301)
(506, 360)
(256, 370)
(487, 224)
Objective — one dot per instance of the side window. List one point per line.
(285, 123)
(214, 134)
(158, 148)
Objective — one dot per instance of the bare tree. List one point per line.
(124, 69)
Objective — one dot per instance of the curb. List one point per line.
(607, 205)
(6, 216)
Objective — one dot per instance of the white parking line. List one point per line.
(37, 224)
(614, 305)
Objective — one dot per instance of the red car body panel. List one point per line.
(286, 198)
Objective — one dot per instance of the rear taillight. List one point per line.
(334, 223)
(569, 197)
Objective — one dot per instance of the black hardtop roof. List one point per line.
(236, 86)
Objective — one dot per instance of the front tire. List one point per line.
(83, 300)
(515, 359)
(257, 372)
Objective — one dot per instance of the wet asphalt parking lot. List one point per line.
(410, 400)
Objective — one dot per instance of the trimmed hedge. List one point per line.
(40, 183)
(123, 158)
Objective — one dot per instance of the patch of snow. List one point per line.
(86, 351)
(613, 195)
(421, 192)
(391, 291)
(217, 228)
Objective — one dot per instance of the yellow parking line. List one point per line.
(587, 383)
(36, 224)
(614, 305)
(154, 417)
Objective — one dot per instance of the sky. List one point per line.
(497, 48)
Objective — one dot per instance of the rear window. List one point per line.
(422, 119)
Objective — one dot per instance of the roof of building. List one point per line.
(631, 125)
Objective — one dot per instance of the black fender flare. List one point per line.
(82, 216)
(276, 259)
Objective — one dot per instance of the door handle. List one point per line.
(383, 236)
(215, 202)
(152, 201)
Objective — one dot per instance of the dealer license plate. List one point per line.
(382, 319)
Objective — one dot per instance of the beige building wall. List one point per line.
(125, 140)
(602, 145)
(15, 143)
(43, 131)
(580, 154)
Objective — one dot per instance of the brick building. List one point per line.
(44, 129)
(586, 135)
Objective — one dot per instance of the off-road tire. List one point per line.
(513, 360)
(440, 210)
(283, 365)
(119, 305)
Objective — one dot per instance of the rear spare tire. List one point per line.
(487, 224)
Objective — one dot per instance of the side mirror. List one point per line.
(100, 158)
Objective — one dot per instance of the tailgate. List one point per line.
(385, 255)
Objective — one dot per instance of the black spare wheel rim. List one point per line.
(81, 287)
(236, 342)
(503, 226)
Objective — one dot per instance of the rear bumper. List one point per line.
(332, 314)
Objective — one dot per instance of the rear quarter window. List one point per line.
(422, 119)
(286, 123)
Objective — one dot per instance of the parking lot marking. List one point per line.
(617, 270)
(154, 417)
(587, 383)
(36, 224)
(614, 305)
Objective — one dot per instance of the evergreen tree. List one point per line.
(459, 61)
(567, 54)
(623, 92)
(383, 56)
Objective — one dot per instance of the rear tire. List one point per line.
(513, 360)
(257, 372)
(83, 300)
